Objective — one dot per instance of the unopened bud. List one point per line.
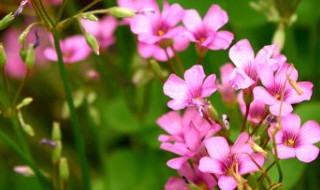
(6, 21)
(30, 56)
(213, 112)
(3, 57)
(23, 54)
(92, 42)
(25, 102)
(56, 132)
(295, 86)
(91, 17)
(24, 34)
(26, 127)
(121, 12)
(257, 148)
(279, 38)
(63, 169)
(23, 170)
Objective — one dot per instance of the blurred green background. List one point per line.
(122, 145)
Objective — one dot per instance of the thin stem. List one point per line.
(170, 61)
(259, 124)
(61, 9)
(79, 141)
(245, 119)
(178, 60)
(276, 158)
(20, 88)
(93, 3)
(44, 181)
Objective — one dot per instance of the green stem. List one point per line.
(79, 140)
(170, 62)
(245, 119)
(44, 181)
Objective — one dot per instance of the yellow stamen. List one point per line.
(202, 39)
(295, 86)
(160, 33)
(290, 142)
(277, 96)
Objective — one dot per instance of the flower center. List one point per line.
(160, 33)
(277, 96)
(202, 39)
(289, 142)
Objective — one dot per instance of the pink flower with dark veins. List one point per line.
(192, 91)
(257, 110)
(103, 30)
(283, 81)
(205, 32)
(295, 141)
(226, 162)
(73, 49)
(242, 55)
(185, 135)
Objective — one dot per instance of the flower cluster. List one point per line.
(265, 86)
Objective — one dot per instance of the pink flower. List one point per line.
(193, 176)
(191, 91)
(205, 33)
(158, 31)
(185, 135)
(102, 30)
(276, 84)
(257, 109)
(293, 141)
(227, 92)
(137, 5)
(223, 160)
(245, 73)
(73, 48)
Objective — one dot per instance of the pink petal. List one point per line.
(293, 97)
(262, 95)
(307, 153)
(173, 14)
(222, 40)
(217, 147)
(285, 152)
(148, 38)
(242, 53)
(265, 54)
(226, 71)
(215, 18)
(176, 163)
(175, 87)
(175, 183)
(171, 122)
(177, 104)
(140, 24)
(240, 80)
(50, 54)
(227, 183)
(247, 165)
(208, 86)
(285, 108)
(310, 132)
(177, 148)
(194, 78)
(281, 75)
(241, 145)
(192, 21)
(209, 165)
(192, 137)
(291, 123)
(266, 76)
(181, 41)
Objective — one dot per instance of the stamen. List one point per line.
(202, 39)
(160, 33)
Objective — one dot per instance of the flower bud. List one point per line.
(30, 56)
(23, 170)
(23, 54)
(3, 57)
(213, 112)
(64, 169)
(88, 16)
(257, 148)
(24, 34)
(121, 12)
(25, 127)
(295, 86)
(56, 132)
(6, 21)
(25, 102)
(92, 42)
(279, 38)
(56, 153)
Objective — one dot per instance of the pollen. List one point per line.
(290, 142)
(160, 33)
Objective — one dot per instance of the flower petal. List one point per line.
(209, 165)
(307, 153)
(171, 122)
(140, 24)
(293, 97)
(172, 14)
(227, 183)
(217, 147)
(176, 163)
(262, 95)
(175, 88)
(246, 165)
(291, 123)
(285, 152)
(285, 108)
(177, 104)
(192, 21)
(266, 76)
(242, 53)
(208, 86)
(310, 133)
(215, 18)
(221, 40)
(240, 80)
(194, 78)
(192, 137)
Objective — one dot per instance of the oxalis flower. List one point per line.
(205, 32)
(295, 141)
(245, 73)
(229, 163)
(185, 135)
(284, 81)
(191, 91)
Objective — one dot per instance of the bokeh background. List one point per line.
(119, 125)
